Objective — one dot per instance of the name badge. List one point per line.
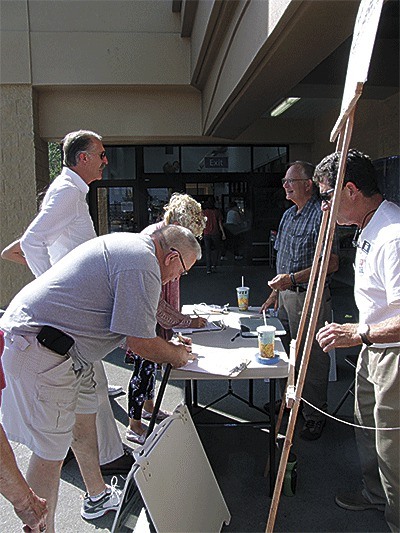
(366, 247)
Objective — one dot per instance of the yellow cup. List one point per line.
(243, 298)
(266, 341)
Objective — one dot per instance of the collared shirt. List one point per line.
(62, 223)
(377, 268)
(297, 237)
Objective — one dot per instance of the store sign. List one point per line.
(216, 162)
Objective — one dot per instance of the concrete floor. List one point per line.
(238, 455)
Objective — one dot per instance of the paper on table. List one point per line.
(210, 326)
(223, 361)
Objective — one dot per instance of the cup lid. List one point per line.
(266, 329)
(242, 288)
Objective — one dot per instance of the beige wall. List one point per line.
(122, 115)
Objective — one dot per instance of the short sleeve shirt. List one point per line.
(102, 291)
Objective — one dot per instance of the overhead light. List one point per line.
(284, 106)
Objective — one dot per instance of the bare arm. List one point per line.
(283, 282)
(13, 253)
(345, 335)
(31, 509)
(160, 351)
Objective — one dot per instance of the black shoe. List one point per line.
(122, 465)
(312, 429)
(277, 407)
(70, 455)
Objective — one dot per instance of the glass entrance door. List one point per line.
(115, 210)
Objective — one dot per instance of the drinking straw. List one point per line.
(242, 281)
(265, 318)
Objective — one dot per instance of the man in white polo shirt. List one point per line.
(377, 295)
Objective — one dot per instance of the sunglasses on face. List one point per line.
(326, 196)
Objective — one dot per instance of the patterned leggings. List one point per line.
(141, 385)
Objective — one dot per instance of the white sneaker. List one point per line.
(132, 436)
(113, 390)
(109, 502)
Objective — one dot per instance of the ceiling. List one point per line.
(322, 89)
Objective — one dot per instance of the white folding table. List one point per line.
(227, 341)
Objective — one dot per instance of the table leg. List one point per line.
(272, 440)
(188, 395)
(159, 398)
(251, 392)
(195, 400)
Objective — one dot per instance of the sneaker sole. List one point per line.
(99, 514)
(360, 507)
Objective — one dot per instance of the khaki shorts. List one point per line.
(42, 396)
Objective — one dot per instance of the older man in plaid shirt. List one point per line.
(295, 244)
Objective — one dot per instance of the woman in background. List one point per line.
(184, 211)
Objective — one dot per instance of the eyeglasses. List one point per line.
(102, 154)
(290, 181)
(185, 272)
(326, 196)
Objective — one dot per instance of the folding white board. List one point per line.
(175, 481)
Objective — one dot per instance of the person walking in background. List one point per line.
(31, 509)
(103, 293)
(295, 244)
(234, 226)
(214, 233)
(182, 210)
(377, 295)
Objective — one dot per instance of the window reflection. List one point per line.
(161, 159)
(156, 199)
(116, 211)
(121, 163)
(212, 159)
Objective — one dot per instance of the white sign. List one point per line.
(360, 57)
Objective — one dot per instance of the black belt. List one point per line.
(297, 288)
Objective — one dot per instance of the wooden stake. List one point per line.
(343, 143)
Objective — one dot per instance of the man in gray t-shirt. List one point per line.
(103, 292)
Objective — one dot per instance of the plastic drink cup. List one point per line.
(266, 340)
(243, 298)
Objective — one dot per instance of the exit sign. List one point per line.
(216, 162)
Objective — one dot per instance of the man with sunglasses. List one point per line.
(63, 223)
(377, 295)
(103, 293)
(295, 243)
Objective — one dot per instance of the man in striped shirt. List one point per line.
(295, 244)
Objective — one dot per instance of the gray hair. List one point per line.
(179, 238)
(75, 143)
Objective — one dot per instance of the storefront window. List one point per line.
(121, 163)
(269, 158)
(216, 159)
(116, 210)
(157, 198)
(161, 159)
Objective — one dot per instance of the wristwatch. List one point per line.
(363, 330)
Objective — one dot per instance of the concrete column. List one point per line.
(23, 170)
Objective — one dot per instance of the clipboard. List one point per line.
(249, 325)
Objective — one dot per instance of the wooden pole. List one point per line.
(343, 143)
